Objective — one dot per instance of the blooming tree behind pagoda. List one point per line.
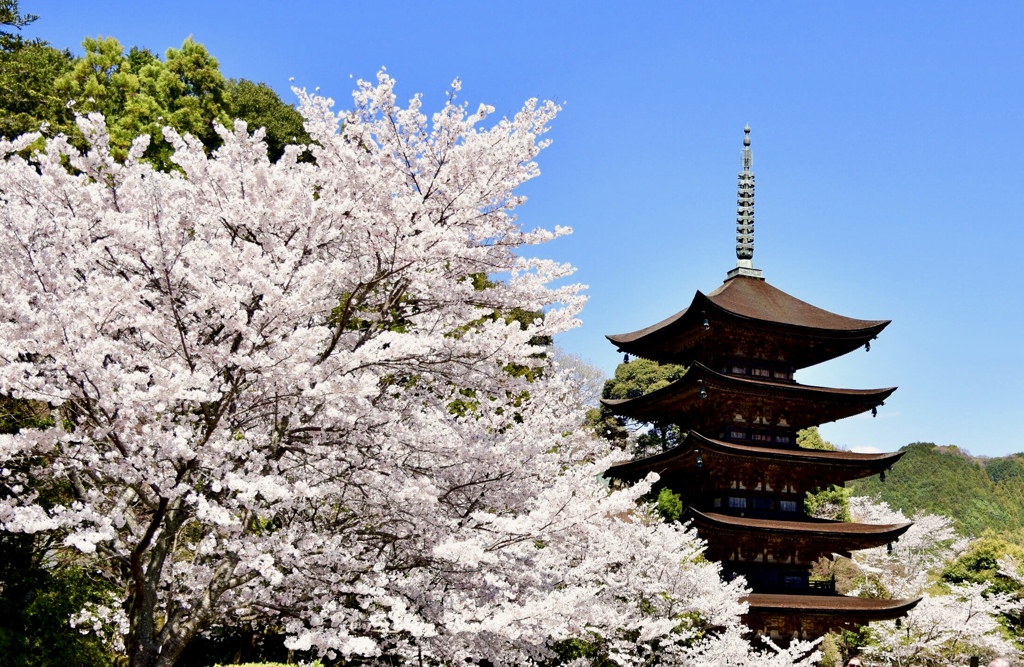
(289, 391)
(952, 622)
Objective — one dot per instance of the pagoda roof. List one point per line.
(831, 466)
(724, 395)
(749, 305)
(877, 534)
(872, 609)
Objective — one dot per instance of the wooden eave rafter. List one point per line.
(802, 405)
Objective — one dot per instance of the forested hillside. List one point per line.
(978, 493)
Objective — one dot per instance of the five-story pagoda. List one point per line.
(739, 470)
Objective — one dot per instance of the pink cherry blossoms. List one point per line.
(285, 391)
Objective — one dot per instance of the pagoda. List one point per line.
(739, 471)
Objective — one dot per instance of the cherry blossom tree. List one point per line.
(280, 392)
(951, 622)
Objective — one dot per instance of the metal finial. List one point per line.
(745, 207)
(745, 215)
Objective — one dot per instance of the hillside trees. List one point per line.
(250, 367)
(978, 494)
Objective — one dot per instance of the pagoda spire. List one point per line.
(745, 215)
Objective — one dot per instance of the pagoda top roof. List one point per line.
(820, 528)
(872, 608)
(752, 303)
(853, 464)
(756, 299)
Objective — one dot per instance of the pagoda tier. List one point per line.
(732, 406)
(728, 465)
(748, 319)
(789, 542)
(783, 616)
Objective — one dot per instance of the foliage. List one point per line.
(950, 623)
(39, 606)
(670, 505)
(831, 503)
(27, 98)
(10, 15)
(137, 94)
(978, 494)
(260, 107)
(810, 438)
(632, 379)
(252, 363)
(980, 563)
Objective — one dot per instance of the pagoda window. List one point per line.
(782, 438)
(762, 503)
(738, 503)
(787, 505)
(783, 375)
(794, 581)
(760, 437)
(739, 370)
(760, 372)
(737, 434)
(717, 502)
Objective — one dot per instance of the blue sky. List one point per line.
(887, 145)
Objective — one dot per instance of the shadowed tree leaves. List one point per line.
(633, 379)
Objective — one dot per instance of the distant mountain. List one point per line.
(976, 492)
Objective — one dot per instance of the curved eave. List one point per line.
(658, 329)
(862, 532)
(869, 609)
(681, 456)
(668, 403)
(874, 461)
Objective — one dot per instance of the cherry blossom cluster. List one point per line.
(950, 623)
(295, 393)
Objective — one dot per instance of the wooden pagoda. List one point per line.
(739, 471)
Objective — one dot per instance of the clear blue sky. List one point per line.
(887, 145)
